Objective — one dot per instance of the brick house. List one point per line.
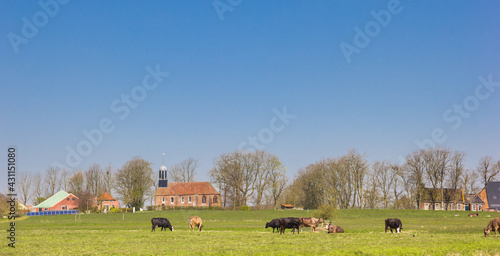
(474, 203)
(105, 202)
(447, 199)
(61, 200)
(188, 194)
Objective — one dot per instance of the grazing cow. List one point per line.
(161, 222)
(195, 222)
(474, 214)
(335, 229)
(275, 224)
(493, 226)
(393, 224)
(289, 222)
(310, 222)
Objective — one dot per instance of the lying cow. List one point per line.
(393, 224)
(335, 229)
(275, 224)
(493, 226)
(161, 222)
(310, 222)
(474, 214)
(195, 221)
(290, 222)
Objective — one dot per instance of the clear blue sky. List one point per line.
(230, 69)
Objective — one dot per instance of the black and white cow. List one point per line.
(393, 224)
(161, 222)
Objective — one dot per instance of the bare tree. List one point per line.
(397, 188)
(25, 187)
(94, 180)
(469, 182)
(76, 183)
(415, 169)
(487, 169)
(277, 180)
(456, 170)
(133, 181)
(51, 180)
(38, 191)
(108, 179)
(64, 179)
(385, 179)
(184, 171)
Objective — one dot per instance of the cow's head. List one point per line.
(201, 227)
(486, 232)
(268, 224)
(171, 228)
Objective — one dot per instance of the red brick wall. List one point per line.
(196, 200)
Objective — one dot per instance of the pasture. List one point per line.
(242, 233)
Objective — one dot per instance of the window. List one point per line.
(182, 199)
(426, 206)
(189, 199)
(73, 199)
(171, 200)
(64, 207)
(436, 207)
(215, 199)
(67, 199)
(163, 199)
(473, 207)
(452, 207)
(204, 200)
(459, 207)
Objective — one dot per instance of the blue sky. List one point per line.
(230, 72)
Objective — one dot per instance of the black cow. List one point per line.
(290, 222)
(161, 222)
(275, 224)
(393, 224)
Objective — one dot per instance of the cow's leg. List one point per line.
(153, 228)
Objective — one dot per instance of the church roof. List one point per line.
(187, 188)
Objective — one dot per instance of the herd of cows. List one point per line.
(298, 223)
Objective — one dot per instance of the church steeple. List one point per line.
(163, 180)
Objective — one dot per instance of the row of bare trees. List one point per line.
(245, 178)
(350, 182)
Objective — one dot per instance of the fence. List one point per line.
(52, 213)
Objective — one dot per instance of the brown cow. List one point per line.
(310, 222)
(335, 229)
(494, 225)
(195, 221)
(473, 215)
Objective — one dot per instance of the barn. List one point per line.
(490, 195)
(60, 201)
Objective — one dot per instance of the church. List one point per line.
(182, 194)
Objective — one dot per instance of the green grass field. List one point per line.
(243, 233)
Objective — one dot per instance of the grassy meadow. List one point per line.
(243, 233)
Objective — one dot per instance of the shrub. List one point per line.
(326, 211)
(245, 208)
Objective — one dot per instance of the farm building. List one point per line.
(286, 206)
(442, 199)
(201, 194)
(474, 203)
(61, 200)
(105, 202)
(490, 195)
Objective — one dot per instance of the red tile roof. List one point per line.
(187, 188)
(105, 197)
